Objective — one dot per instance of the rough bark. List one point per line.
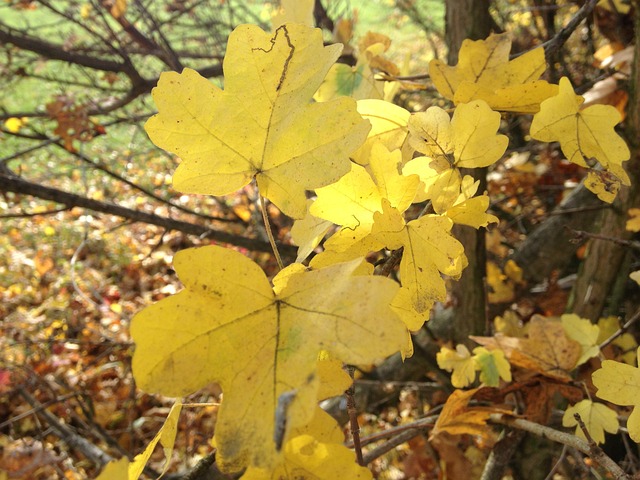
(550, 247)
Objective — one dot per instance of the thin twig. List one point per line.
(581, 235)
(597, 454)
(390, 445)
(353, 416)
(565, 439)
(267, 226)
(621, 330)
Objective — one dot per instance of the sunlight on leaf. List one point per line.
(227, 137)
(388, 126)
(468, 140)
(484, 72)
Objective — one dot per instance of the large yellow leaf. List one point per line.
(352, 200)
(484, 72)
(262, 124)
(619, 383)
(584, 135)
(429, 251)
(597, 417)
(228, 326)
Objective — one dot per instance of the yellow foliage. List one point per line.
(619, 384)
(122, 469)
(227, 137)
(429, 250)
(460, 362)
(584, 135)
(597, 417)
(584, 332)
(228, 326)
(468, 140)
(388, 126)
(484, 72)
(633, 224)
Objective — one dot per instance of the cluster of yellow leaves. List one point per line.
(260, 340)
(484, 72)
(587, 136)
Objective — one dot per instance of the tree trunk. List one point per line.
(605, 259)
(469, 19)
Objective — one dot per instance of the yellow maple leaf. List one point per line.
(492, 365)
(484, 72)
(597, 417)
(635, 276)
(458, 361)
(633, 224)
(228, 326)
(619, 384)
(468, 140)
(122, 469)
(227, 137)
(352, 201)
(388, 126)
(584, 332)
(470, 210)
(509, 324)
(585, 136)
(626, 344)
(429, 251)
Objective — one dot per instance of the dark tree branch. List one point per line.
(56, 52)
(18, 185)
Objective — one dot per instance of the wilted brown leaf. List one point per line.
(547, 349)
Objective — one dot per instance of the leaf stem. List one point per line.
(353, 416)
(267, 227)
